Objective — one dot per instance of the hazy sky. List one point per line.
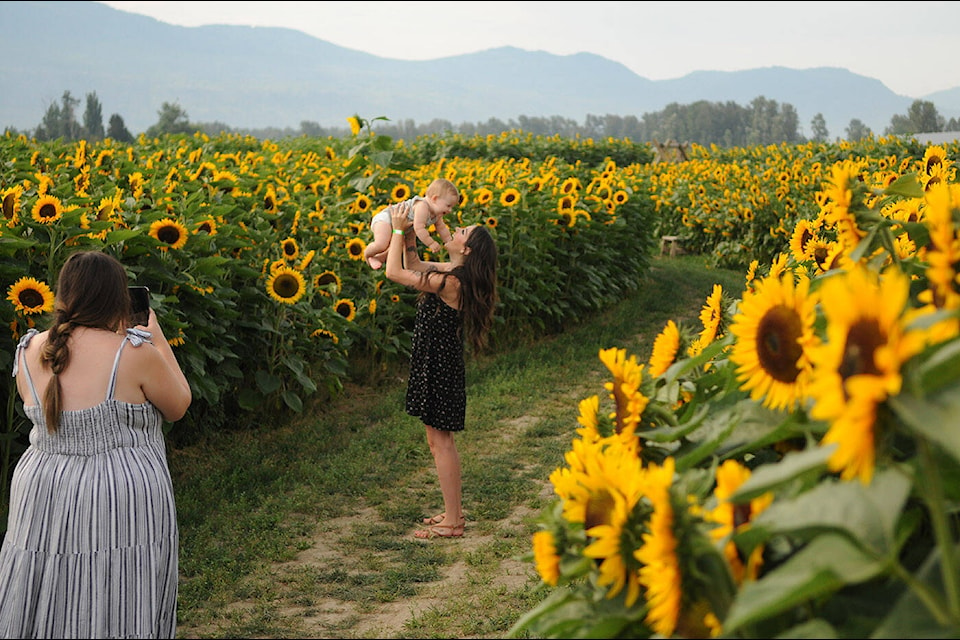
(912, 48)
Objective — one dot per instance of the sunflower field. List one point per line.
(790, 466)
(253, 251)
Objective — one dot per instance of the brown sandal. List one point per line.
(437, 519)
(439, 531)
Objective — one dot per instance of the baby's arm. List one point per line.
(420, 212)
(443, 230)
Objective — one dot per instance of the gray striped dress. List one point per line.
(91, 544)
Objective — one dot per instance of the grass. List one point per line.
(304, 530)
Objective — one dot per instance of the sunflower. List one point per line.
(355, 248)
(857, 366)
(307, 259)
(225, 181)
(545, 557)
(625, 389)
(589, 429)
(732, 518)
(355, 123)
(711, 315)
(286, 285)
(400, 192)
(665, 349)
(346, 308)
(491, 222)
(510, 197)
(801, 240)
(171, 233)
(10, 200)
(47, 209)
(208, 226)
(934, 159)
(774, 328)
(614, 482)
(270, 200)
(566, 203)
(361, 204)
(482, 196)
(324, 333)
(30, 295)
(752, 273)
(660, 573)
(620, 197)
(570, 185)
(327, 278)
(290, 249)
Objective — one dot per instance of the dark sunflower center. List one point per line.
(599, 506)
(268, 203)
(30, 298)
(344, 310)
(778, 348)
(48, 211)
(820, 255)
(354, 249)
(325, 279)
(168, 234)
(8, 204)
(289, 249)
(863, 340)
(286, 286)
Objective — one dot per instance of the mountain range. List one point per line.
(269, 77)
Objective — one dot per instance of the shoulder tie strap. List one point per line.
(135, 337)
(24, 341)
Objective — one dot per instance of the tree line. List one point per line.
(726, 124)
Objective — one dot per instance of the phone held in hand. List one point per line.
(139, 305)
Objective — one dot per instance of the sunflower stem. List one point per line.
(932, 491)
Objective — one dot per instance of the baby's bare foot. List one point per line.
(374, 263)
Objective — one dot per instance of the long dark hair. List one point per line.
(91, 292)
(478, 287)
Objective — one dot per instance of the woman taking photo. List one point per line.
(91, 544)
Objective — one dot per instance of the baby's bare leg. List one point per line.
(376, 251)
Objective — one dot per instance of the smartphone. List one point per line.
(139, 305)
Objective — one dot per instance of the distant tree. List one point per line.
(856, 130)
(818, 129)
(311, 129)
(922, 117)
(118, 130)
(953, 124)
(213, 129)
(60, 120)
(172, 119)
(93, 118)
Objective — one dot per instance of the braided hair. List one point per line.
(91, 292)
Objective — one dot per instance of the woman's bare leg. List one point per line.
(447, 461)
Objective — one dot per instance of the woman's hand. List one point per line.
(398, 216)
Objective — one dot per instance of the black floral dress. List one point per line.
(436, 389)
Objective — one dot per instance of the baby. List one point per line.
(439, 200)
